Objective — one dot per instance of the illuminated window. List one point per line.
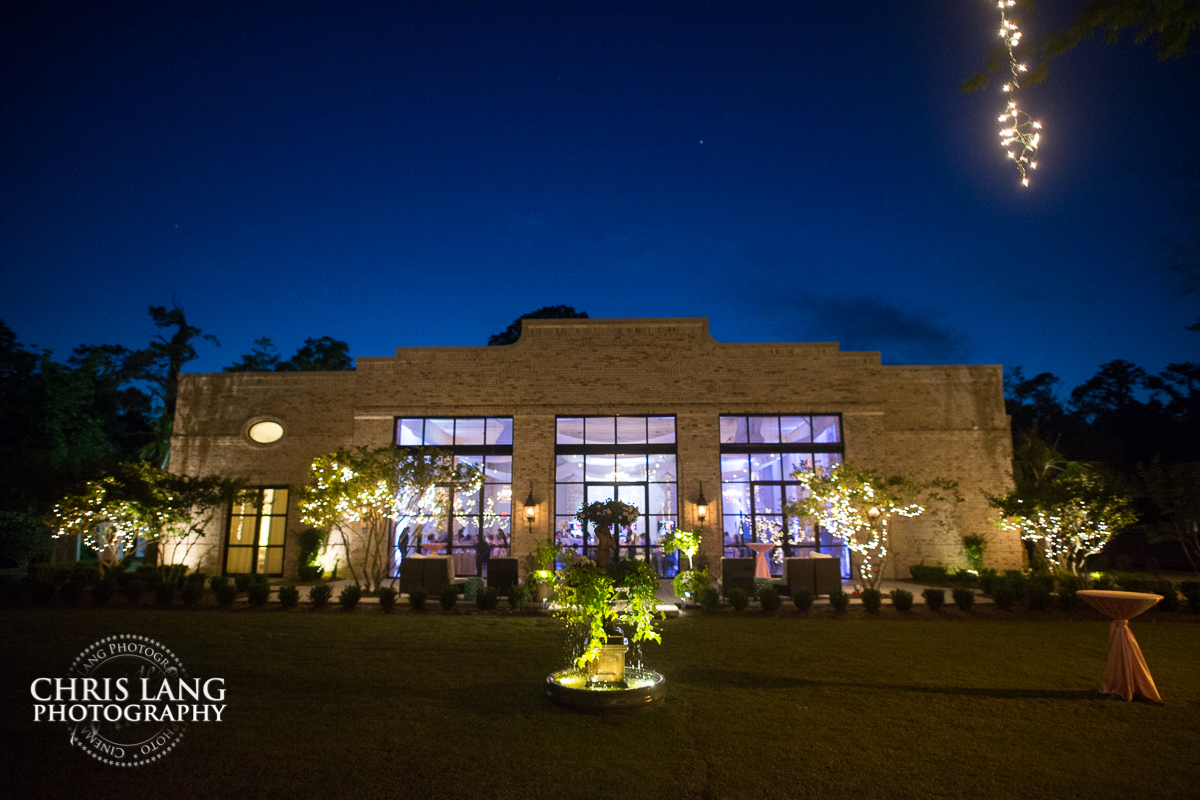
(257, 523)
(265, 432)
(631, 459)
(479, 525)
(759, 455)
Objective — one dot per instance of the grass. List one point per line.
(450, 706)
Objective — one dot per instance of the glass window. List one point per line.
(257, 528)
(631, 430)
(600, 430)
(760, 455)
(627, 458)
(570, 430)
(479, 521)
(733, 430)
(469, 431)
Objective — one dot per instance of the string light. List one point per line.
(1020, 135)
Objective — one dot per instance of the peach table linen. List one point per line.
(761, 568)
(1127, 673)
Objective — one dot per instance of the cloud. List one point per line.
(867, 323)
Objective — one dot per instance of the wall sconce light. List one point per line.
(530, 508)
(701, 505)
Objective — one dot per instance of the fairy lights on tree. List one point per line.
(1072, 516)
(361, 493)
(856, 505)
(1020, 134)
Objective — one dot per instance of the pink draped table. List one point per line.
(1127, 673)
(761, 568)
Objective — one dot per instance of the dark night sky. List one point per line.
(422, 173)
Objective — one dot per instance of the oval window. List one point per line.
(265, 432)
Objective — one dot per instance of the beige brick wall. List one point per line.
(923, 421)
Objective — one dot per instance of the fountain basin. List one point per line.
(643, 690)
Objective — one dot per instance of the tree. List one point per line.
(856, 505)
(362, 493)
(513, 332)
(1170, 21)
(1066, 506)
(263, 358)
(317, 355)
(140, 505)
(1111, 390)
(1073, 518)
(160, 366)
(1173, 490)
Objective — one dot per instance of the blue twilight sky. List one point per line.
(421, 173)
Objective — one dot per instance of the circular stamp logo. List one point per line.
(115, 679)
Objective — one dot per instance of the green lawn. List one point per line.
(446, 706)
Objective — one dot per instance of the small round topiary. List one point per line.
(487, 598)
(350, 596)
(802, 599)
(710, 599)
(872, 600)
(902, 600)
(934, 598)
(964, 599)
(769, 599)
(387, 598)
(416, 599)
(737, 598)
(448, 597)
(839, 600)
(289, 596)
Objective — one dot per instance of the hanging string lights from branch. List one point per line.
(1020, 134)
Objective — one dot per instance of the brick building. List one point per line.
(652, 411)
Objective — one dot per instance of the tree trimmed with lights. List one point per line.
(856, 505)
(361, 493)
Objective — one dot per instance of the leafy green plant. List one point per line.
(1191, 592)
(226, 593)
(802, 599)
(1038, 597)
(1068, 585)
(164, 593)
(257, 593)
(103, 590)
(311, 541)
(487, 598)
(1103, 581)
(241, 582)
(518, 597)
(133, 590)
(965, 577)
(987, 580)
(922, 573)
(839, 600)
(964, 599)
(592, 598)
(289, 596)
(1004, 594)
(737, 598)
(689, 583)
(319, 595)
(448, 597)
(710, 599)
(191, 592)
(217, 580)
(974, 546)
(387, 598)
(902, 600)
(349, 596)
(769, 599)
(471, 589)
(872, 600)
(1170, 598)
(70, 592)
(934, 598)
(416, 599)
